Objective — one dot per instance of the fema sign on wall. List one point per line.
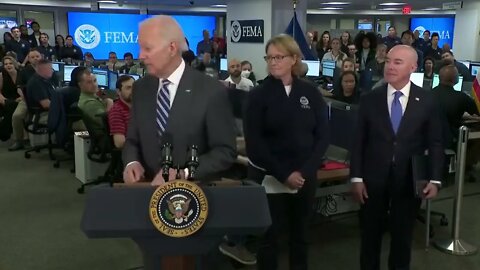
(101, 33)
(444, 26)
(247, 31)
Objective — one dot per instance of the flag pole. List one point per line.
(294, 15)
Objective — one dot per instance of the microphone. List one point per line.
(192, 161)
(167, 158)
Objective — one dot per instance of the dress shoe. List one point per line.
(16, 146)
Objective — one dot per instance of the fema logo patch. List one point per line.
(178, 208)
(87, 36)
(304, 103)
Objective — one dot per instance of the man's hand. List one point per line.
(295, 181)
(133, 173)
(430, 191)
(2, 99)
(172, 175)
(359, 192)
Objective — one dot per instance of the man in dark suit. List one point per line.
(176, 100)
(396, 122)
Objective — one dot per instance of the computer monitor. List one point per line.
(223, 64)
(465, 62)
(417, 78)
(112, 80)
(134, 76)
(457, 87)
(328, 67)
(475, 68)
(342, 121)
(67, 73)
(313, 67)
(102, 76)
(56, 67)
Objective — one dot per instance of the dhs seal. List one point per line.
(87, 36)
(236, 31)
(178, 208)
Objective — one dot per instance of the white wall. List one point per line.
(253, 52)
(466, 42)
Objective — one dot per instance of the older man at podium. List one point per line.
(176, 102)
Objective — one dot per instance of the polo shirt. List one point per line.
(118, 117)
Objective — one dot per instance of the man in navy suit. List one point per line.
(396, 122)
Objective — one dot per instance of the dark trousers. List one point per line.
(6, 112)
(392, 210)
(290, 213)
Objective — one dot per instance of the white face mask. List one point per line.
(245, 73)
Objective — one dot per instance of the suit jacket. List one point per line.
(201, 114)
(377, 147)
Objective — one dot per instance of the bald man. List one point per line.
(175, 104)
(397, 121)
(235, 71)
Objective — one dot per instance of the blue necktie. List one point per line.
(163, 107)
(396, 111)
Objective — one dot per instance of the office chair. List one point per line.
(102, 150)
(32, 126)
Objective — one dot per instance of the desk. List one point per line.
(85, 169)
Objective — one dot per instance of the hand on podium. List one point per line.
(133, 173)
(172, 176)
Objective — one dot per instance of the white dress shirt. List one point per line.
(244, 84)
(403, 101)
(174, 79)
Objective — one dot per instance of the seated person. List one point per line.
(128, 59)
(40, 87)
(449, 59)
(234, 70)
(9, 96)
(455, 107)
(138, 69)
(378, 64)
(119, 115)
(90, 104)
(348, 91)
(113, 64)
(347, 65)
(428, 64)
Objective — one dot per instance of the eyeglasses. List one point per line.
(277, 58)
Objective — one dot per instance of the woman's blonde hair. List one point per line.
(289, 45)
(14, 61)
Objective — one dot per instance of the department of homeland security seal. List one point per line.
(178, 208)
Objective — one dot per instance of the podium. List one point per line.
(123, 212)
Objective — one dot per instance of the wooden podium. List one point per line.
(122, 211)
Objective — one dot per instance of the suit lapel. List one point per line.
(150, 106)
(181, 106)
(387, 123)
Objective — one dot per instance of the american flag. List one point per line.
(476, 90)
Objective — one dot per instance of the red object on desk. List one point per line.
(334, 165)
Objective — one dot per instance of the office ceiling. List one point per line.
(312, 4)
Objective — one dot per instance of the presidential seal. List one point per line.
(178, 208)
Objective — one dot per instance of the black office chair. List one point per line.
(64, 112)
(32, 125)
(102, 150)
